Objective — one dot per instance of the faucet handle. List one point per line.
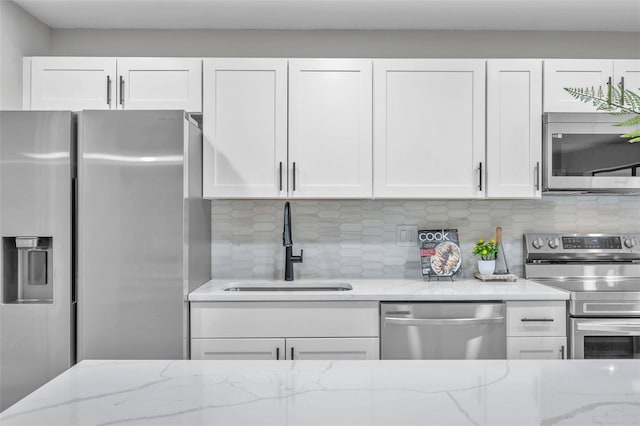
(297, 259)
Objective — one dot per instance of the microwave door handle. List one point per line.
(442, 321)
(611, 327)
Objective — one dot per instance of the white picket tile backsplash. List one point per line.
(357, 239)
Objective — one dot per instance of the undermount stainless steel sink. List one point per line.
(287, 286)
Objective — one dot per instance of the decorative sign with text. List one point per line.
(440, 253)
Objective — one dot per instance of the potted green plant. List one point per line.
(487, 252)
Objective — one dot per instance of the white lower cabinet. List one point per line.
(339, 348)
(237, 349)
(285, 330)
(291, 349)
(537, 330)
(536, 348)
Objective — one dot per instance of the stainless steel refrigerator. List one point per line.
(141, 232)
(36, 171)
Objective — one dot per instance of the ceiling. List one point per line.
(537, 15)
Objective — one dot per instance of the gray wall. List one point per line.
(20, 35)
(352, 239)
(324, 43)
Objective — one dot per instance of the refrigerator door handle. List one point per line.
(109, 90)
(74, 241)
(121, 91)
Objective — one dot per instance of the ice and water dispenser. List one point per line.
(27, 270)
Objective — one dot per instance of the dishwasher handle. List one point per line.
(442, 321)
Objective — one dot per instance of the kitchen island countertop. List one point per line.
(385, 290)
(489, 392)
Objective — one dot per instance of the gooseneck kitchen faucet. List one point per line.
(287, 242)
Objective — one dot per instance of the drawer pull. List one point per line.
(537, 319)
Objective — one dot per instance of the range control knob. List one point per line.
(537, 243)
(629, 243)
(554, 243)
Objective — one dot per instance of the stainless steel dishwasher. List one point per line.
(443, 330)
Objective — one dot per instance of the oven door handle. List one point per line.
(610, 327)
(442, 321)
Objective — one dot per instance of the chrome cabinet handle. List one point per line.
(622, 90)
(562, 352)
(280, 172)
(480, 176)
(109, 90)
(442, 321)
(609, 91)
(294, 175)
(537, 175)
(537, 319)
(121, 90)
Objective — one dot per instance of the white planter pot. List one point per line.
(486, 267)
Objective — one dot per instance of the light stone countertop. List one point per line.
(385, 290)
(489, 392)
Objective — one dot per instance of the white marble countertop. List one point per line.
(496, 392)
(386, 290)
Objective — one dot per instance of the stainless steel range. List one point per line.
(602, 272)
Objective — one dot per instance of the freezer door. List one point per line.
(131, 276)
(36, 150)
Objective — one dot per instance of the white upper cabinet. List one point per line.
(330, 128)
(429, 131)
(245, 128)
(514, 128)
(160, 83)
(628, 72)
(74, 83)
(580, 73)
(325, 152)
(63, 83)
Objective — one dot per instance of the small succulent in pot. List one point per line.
(486, 250)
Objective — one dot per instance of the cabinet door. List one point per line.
(264, 349)
(330, 119)
(629, 70)
(244, 123)
(536, 348)
(561, 73)
(429, 128)
(160, 83)
(514, 128)
(333, 349)
(72, 83)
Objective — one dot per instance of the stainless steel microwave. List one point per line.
(584, 152)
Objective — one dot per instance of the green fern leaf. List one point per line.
(633, 136)
(633, 121)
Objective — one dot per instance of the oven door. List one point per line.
(605, 338)
(589, 156)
